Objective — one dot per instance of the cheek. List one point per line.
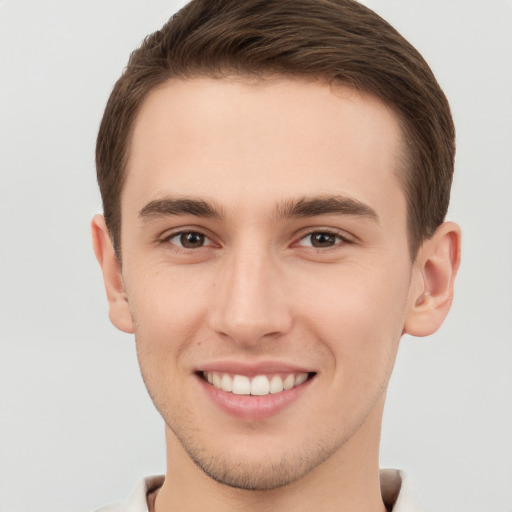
(359, 313)
(167, 307)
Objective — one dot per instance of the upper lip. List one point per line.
(253, 368)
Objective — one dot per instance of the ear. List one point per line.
(119, 309)
(434, 273)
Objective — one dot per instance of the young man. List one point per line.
(275, 177)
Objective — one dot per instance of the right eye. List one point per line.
(321, 240)
(189, 240)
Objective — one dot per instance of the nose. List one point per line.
(251, 302)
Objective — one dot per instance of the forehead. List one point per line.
(253, 143)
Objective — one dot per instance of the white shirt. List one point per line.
(396, 489)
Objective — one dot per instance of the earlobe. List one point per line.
(119, 309)
(434, 271)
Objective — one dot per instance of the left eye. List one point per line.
(320, 239)
(189, 240)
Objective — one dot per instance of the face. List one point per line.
(266, 269)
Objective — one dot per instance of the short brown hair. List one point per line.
(330, 40)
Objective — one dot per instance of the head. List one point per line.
(336, 42)
(275, 177)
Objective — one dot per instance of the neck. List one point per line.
(346, 481)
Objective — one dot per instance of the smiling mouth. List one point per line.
(259, 385)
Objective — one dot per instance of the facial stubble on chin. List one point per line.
(252, 476)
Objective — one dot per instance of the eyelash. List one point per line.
(343, 240)
(176, 247)
(330, 233)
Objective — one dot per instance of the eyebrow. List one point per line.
(325, 205)
(303, 207)
(169, 206)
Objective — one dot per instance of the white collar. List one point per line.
(396, 488)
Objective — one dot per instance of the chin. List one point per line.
(253, 476)
(260, 465)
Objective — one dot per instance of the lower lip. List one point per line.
(251, 407)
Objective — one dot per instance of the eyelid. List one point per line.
(168, 235)
(345, 237)
(179, 235)
(210, 240)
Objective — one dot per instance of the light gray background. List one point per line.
(77, 429)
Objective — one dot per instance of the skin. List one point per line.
(255, 290)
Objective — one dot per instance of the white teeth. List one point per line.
(217, 380)
(276, 384)
(241, 385)
(258, 386)
(300, 378)
(227, 383)
(289, 382)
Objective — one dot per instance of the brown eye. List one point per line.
(189, 240)
(192, 240)
(321, 239)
